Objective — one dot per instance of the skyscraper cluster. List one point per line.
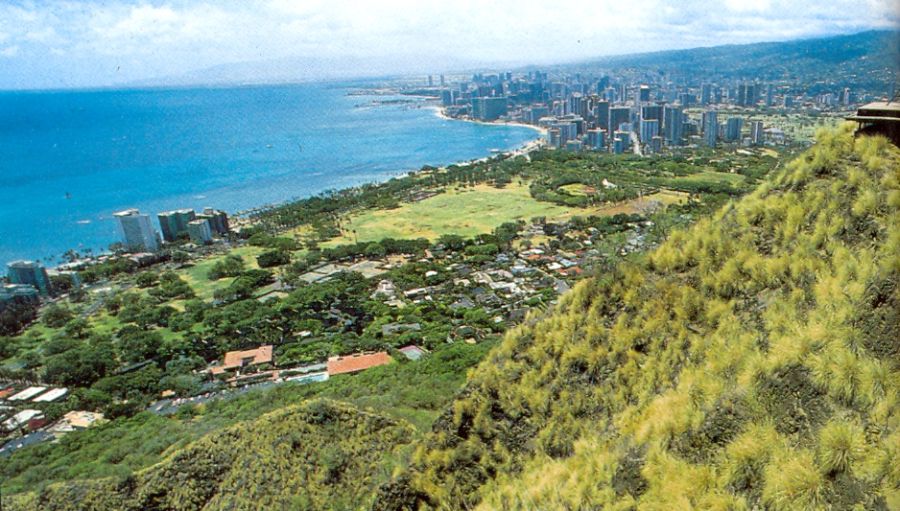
(137, 233)
(646, 113)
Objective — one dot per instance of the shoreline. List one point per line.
(243, 218)
(442, 113)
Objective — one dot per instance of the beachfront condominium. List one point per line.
(200, 231)
(136, 231)
(218, 220)
(29, 273)
(174, 223)
(489, 108)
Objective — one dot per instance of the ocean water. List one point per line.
(68, 160)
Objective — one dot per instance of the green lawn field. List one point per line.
(198, 275)
(467, 212)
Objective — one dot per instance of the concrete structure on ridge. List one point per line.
(880, 118)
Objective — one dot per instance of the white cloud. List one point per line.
(748, 5)
(9, 51)
(143, 38)
(46, 35)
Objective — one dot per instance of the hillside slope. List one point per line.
(319, 455)
(866, 59)
(752, 361)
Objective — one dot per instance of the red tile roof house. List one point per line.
(355, 363)
(239, 359)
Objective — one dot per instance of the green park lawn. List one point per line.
(466, 212)
(197, 276)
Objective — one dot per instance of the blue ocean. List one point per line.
(68, 160)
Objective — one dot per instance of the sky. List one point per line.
(81, 43)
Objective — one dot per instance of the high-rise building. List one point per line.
(674, 125)
(621, 142)
(642, 94)
(136, 231)
(710, 127)
(200, 231)
(602, 113)
(553, 137)
(536, 113)
(846, 96)
(757, 135)
(566, 128)
(706, 94)
(649, 129)
(770, 95)
(174, 223)
(649, 112)
(574, 146)
(489, 108)
(747, 94)
(578, 104)
(733, 128)
(18, 294)
(617, 116)
(218, 220)
(29, 273)
(446, 97)
(596, 139)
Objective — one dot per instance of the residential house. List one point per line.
(347, 364)
(235, 360)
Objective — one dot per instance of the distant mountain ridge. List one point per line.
(866, 58)
(869, 55)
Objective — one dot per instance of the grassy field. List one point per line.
(708, 175)
(576, 189)
(664, 197)
(197, 275)
(467, 212)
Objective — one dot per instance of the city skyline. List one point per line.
(82, 44)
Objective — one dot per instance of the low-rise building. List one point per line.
(235, 360)
(359, 362)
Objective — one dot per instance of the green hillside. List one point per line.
(319, 455)
(750, 362)
(867, 59)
